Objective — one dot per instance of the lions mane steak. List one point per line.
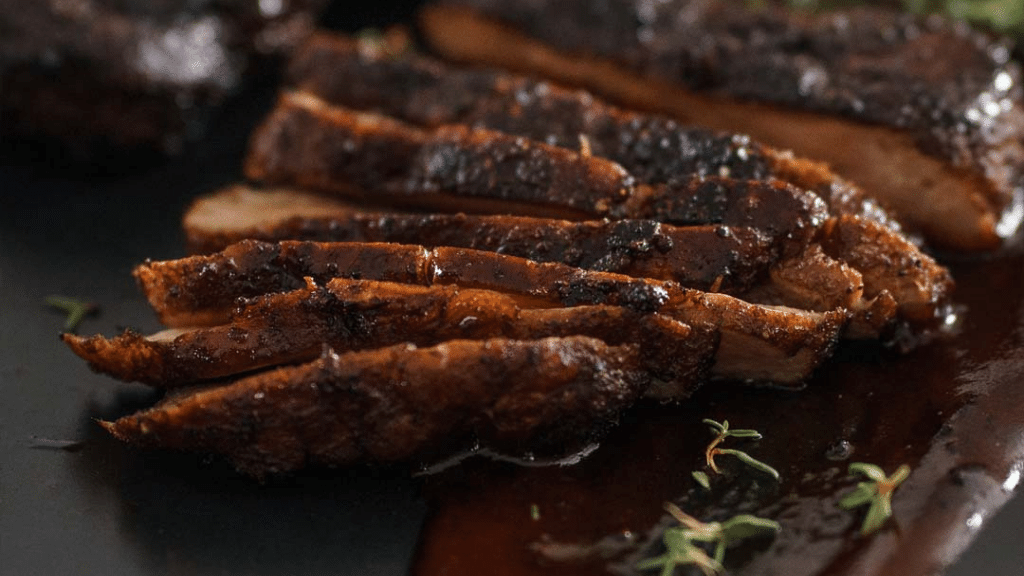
(405, 215)
(653, 148)
(923, 113)
(401, 402)
(364, 156)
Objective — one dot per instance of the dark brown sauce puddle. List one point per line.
(953, 410)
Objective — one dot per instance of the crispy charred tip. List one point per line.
(128, 356)
(114, 429)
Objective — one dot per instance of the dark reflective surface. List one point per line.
(954, 410)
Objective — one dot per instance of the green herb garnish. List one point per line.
(684, 543)
(722, 430)
(878, 492)
(75, 309)
(534, 512)
(702, 479)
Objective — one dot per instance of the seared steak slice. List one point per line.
(727, 258)
(924, 113)
(902, 282)
(364, 156)
(891, 264)
(350, 315)
(653, 149)
(787, 343)
(204, 290)
(400, 403)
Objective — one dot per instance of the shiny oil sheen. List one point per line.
(953, 409)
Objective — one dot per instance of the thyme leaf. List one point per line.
(76, 310)
(877, 493)
(683, 543)
(722, 431)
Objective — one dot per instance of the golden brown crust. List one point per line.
(400, 403)
(961, 188)
(362, 156)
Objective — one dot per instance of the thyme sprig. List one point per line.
(76, 310)
(877, 491)
(685, 544)
(722, 431)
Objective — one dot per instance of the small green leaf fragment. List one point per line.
(720, 552)
(75, 309)
(879, 511)
(717, 426)
(901, 474)
(877, 494)
(746, 526)
(751, 461)
(863, 494)
(534, 512)
(675, 538)
(702, 479)
(870, 470)
(686, 544)
(745, 434)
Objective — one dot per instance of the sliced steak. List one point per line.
(364, 156)
(728, 259)
(903, 282)
(788, 343)
(654, 149)
(350, 315)
(401, 403)
(924, 113)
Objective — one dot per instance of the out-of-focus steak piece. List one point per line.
(654, 149)
(922, 112)
(364, 156)
(350, 315)
(401, 403)
(98, 75)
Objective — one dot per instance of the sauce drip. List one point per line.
(951, 409)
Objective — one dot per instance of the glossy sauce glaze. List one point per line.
(952, 409)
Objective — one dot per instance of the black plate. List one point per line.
(75, 501)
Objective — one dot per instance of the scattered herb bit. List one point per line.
(683, 544)
(878, 492)
(723, 432)
(702, 479)
(75, 309)
(534, 512)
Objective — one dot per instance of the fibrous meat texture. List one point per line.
(924, 113)
(433, 257)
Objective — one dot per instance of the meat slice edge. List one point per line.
(824, 275)
(400, 403)
(362, 156)
(958, 180)
(655, 149)
(785, 345)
